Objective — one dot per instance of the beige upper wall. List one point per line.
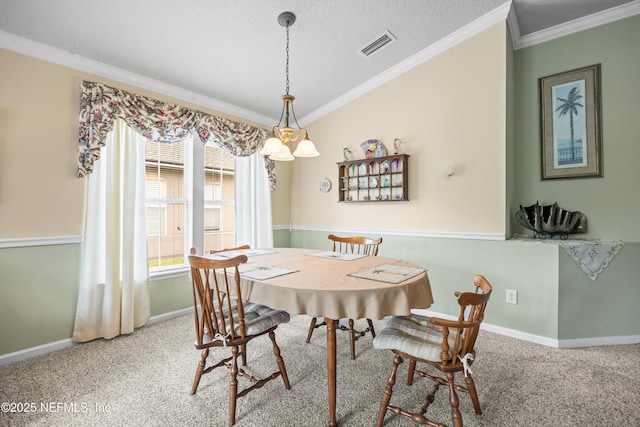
(449, 111)
(281, 197)
(40, 194)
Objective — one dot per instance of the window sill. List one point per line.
(167, 273)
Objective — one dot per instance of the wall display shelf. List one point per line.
(379, 179)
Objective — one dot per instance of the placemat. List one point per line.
(257, 271)
(388, 273)
(247, 252)
(337, 255)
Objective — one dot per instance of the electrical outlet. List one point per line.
(512, 296)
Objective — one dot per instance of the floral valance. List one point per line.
(100, 105)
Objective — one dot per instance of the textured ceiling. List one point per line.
(234, 51)
(537, 15)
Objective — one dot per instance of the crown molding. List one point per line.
(486, 21)
(504, 12)
(514, 26)
(64, 58)
(594, 20)
(47, 53)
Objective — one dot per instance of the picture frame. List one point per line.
(570, 124)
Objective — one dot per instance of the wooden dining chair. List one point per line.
(237, 248)
(243, 347)
(446, 345)
(225, 322)
(356, 245)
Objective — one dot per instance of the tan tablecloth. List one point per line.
(321, 287)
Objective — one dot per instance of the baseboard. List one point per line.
(28, 353)
(549, 342)
(170, 315)
(592, 342)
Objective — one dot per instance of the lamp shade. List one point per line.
(306, 149)
(283, 154)
(271, 146)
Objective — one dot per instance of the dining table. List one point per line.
(334, 286)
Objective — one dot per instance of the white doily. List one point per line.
(592, 256)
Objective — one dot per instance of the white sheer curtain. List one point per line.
(253, 203)
(114, 276)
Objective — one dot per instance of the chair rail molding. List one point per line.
(40, 241)
(389, 232)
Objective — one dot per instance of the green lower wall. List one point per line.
(39, 294)
(168, 295)
(556, 300)
(606, 307)
(530, 269)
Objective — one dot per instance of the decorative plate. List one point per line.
(325, 185)
(385, 167)
(373, 182)
(373, 148)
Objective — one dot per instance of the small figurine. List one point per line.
(346, 153)
(396, 145)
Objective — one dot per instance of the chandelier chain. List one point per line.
(276, 145)
(287, 69)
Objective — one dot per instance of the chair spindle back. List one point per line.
(467, 326)
(357, 245)
(213, 281)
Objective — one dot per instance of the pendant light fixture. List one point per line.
(276, 146)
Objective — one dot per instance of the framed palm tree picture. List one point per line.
(570, 128)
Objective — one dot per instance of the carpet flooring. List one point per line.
(144, 379)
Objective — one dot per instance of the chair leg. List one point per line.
(243, 353)
(233, 386)
(388, 391)
(456, 416)
(280, 361)
(312, 326)
(373, 331)
(201, 364)
(471, 386)
(352, 336)
(412, 370)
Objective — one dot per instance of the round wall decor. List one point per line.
(325, 185)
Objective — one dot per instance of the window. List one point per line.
(180, 213)
(219, 198)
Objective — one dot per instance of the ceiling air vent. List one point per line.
(377, 44)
